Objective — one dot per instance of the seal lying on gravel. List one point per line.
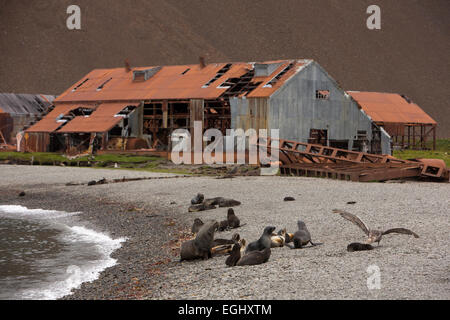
(248, 259)
(232, 221)
(196, 226)
(198, 199)
(373, 235)
(201, 207)
(222, 202)
(356, 246)
(263, 242)
(254, 257)
(302, 236)
(201, 246)
(279, 239)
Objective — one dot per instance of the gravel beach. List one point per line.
(153, 215)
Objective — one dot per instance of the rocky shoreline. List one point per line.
(153, 215)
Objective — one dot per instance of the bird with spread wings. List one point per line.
(372, 235)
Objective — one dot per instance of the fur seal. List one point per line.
(201, 207)
(278, 239)
(302, 236)
(222, 202)
(254, 257)
(224, 246)
(196, 226)
(201, 246)
(356, 246)
(198, 199)
(234, 239)
(372, 235)
(235, 255)
(22, 194)
(263, 242)
(223, 225)
(233, 220)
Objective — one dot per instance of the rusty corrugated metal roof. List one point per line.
(171, 82)
(102, 119)
(49, 123)
(390, 108)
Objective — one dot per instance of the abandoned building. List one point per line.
(407, 124)
(135, 108)
(19, 110)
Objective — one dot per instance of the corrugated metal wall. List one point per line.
(295, 110)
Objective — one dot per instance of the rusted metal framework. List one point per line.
(305, 159)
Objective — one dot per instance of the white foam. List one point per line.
(80, 274)
(76, 274)
(14, 211)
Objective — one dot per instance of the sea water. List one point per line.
(44, 254)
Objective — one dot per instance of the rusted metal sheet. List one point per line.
(170, 82)
(102, 119)
(302, 159)
(50, 123)
(36, 141)
(390, 108)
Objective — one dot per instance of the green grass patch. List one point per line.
(442, 152)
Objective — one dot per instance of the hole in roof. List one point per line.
(219, 73)
(103, 84)
(78, 86)
(278, 76)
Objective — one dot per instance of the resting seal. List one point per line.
(198, 199)
(356, 246)
(263, 242)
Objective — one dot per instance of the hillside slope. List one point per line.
(409, 55)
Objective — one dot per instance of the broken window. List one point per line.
(78, 86)
(322, 94)
(220, 73)
(318, 136)
(103, 84)
(125, 112)
(278, 76)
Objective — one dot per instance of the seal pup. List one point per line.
(356, 246)
(254, 257)
(278, 239)
(223, 225)
(197, 225)
(372, 234)
(302, 236)
(289, 199)
(235, 255)
(263, 242)
(198, 199)
(200, 247)
(233, 220)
